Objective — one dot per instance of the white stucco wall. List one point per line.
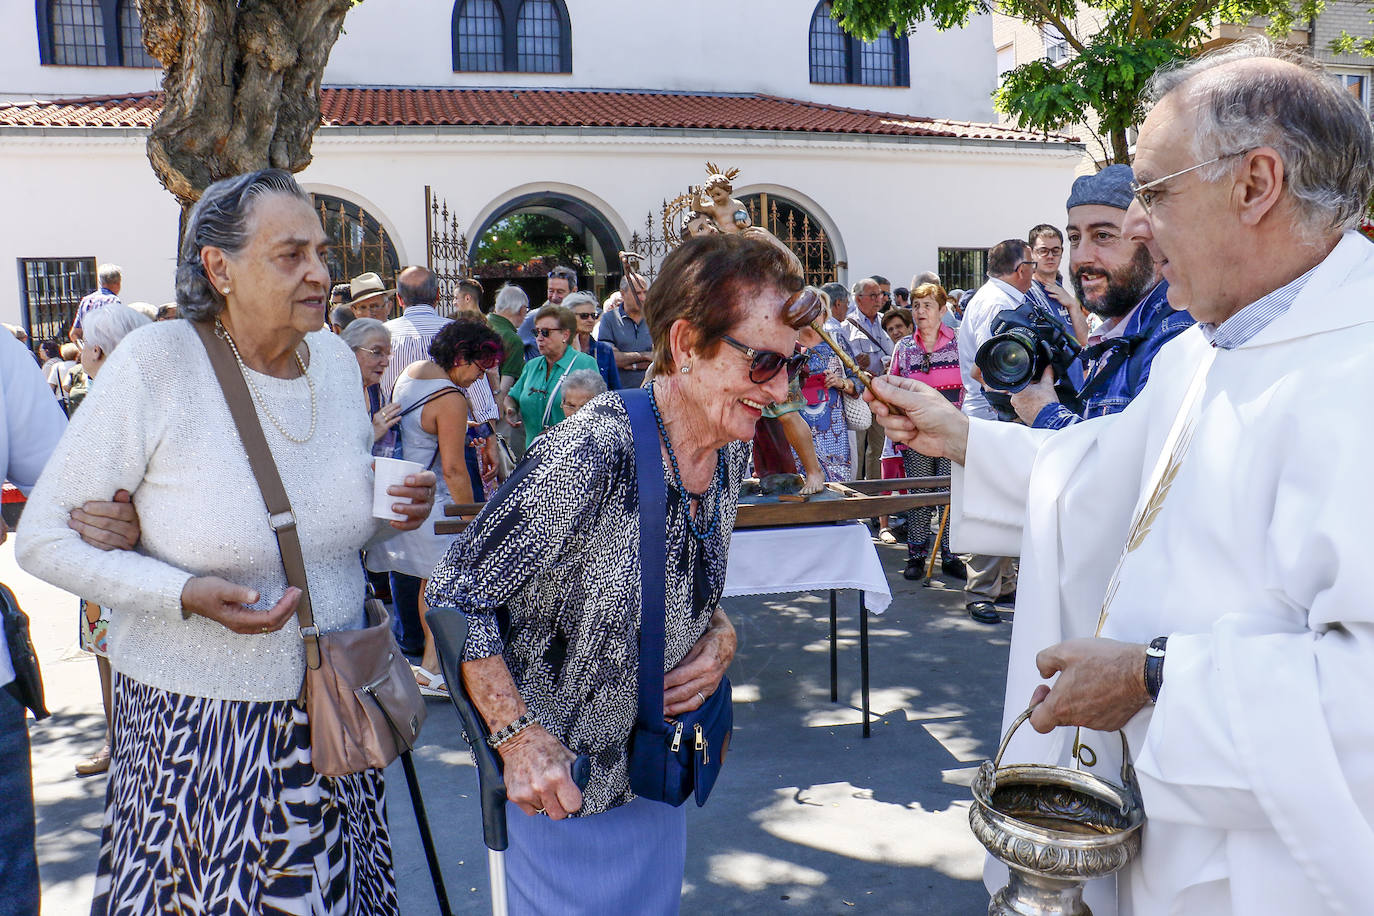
(706, 45)
(78, 195)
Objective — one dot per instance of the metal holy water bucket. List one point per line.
(1055, 828)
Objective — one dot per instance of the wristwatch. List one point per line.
(1154, 667)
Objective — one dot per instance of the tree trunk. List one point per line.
(1121, 149)
(241, 89)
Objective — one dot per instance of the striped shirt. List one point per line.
(1241, 327)
(411, 335)
(98, 299)
(481, 402)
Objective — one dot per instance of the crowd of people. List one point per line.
(1169, 498)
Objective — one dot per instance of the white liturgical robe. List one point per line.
(1257, 763)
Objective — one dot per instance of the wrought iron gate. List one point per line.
(446, 250)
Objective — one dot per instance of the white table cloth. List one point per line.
(809, 558)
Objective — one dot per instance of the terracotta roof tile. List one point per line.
(350, 106)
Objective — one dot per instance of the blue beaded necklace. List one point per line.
(716, 483)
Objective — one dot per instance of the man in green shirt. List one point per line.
(511, 305)
(536, 396)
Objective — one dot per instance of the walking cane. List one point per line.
(449, 627)
(939, 538)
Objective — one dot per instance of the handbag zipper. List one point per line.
(702, 744)
(677, 738)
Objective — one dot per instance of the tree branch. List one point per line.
(1050, 16)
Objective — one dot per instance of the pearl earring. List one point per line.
(686, 368)
(226, 291)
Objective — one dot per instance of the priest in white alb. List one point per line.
(1196, 569)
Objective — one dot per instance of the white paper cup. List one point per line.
(390, 472)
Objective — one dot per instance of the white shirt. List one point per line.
(33, 425)
(991, 298)
(861, 344)
(1257, 764)
(411, 335)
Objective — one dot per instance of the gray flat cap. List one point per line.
(1110, 187)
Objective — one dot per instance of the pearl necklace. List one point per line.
(716, 483)
(223, 332)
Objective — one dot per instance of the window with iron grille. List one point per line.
(963, 268)
(839, 58)
(50, 289)
(479, 36)
(536, 38)
(77, 33)
(131, 49)
(484, 41)
(829, 48)
(357, 242)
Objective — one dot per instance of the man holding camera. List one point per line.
(1116, 279)
(1194, 568)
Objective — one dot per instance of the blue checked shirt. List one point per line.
(1152, 325)
(1255, 317)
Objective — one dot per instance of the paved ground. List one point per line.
(808, 817)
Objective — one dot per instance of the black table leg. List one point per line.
(834, 639)
(863, 656)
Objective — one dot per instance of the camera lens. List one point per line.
(1006, 362)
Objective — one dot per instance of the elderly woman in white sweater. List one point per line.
(213, 805)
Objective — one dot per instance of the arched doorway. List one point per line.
(358, 243)
(799, 230)
(594, 246)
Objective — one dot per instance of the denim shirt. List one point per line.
(1153, 324)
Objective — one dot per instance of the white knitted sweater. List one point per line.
(157, 425)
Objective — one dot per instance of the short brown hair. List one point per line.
(899, 312)
(566, 319)
(930, 291)
(705, 281)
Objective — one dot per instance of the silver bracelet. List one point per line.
(511, 730)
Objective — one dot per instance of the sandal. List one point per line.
(433, 684)
(95, 764)
(886, 536)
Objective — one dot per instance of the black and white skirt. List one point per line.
(213, 807)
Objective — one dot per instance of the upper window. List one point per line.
(840, 58)
(484, 40)
(1056, 45)
(91, 33)
(1356, 83)
(77, 35)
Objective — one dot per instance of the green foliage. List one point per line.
(1107, 70)
(523, 237)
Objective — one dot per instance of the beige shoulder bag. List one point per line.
(359, 693)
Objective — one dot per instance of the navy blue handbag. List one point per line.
(669, 760)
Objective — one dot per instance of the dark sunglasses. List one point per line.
(548, 332)
(764, 364)
(585, 314)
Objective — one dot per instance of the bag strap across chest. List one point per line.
(653, 540)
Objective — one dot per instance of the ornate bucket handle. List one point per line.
(1128, 780)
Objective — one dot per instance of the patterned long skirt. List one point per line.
(213, 807)
(918, 536)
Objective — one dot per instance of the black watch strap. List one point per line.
(1154, 667)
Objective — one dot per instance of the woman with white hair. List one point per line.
(105, 328)
(579, 388)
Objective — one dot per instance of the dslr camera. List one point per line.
(1024, 342)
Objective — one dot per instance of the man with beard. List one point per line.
(1117, 280)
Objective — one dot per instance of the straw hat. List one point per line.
(366, 286)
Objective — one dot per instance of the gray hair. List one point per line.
(858, 289)
(106, 326)
(1320, 131)
(360, 330)
(145, 308)
(836, 292)
(627, 280)
(510, 299)
(588, 381)
(928, 276)
(580, 297)
(421, 289)
(109, 273)
(564, 273)
(220, 219)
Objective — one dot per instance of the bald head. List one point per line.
(417, 286)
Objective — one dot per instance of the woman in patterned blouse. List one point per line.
(931, 355)
(549, 576)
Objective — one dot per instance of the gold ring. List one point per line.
(703, 697)
(267, 629)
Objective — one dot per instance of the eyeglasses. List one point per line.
(585, 314)
(1049, 252)
(765, 364)
(546, 332)
(1145, 194)
(374, 352)
(1031, 263)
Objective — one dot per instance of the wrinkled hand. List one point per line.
(107, 525)
(419, 491)
(1101, 684)
(916, 415)
(227, 604)
(1029, 401)
(702, 668)
(385, 419)
(513, 416)
(834, 378)
(538, 774)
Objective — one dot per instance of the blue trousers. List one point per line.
(18, 860)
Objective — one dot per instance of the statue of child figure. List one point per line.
(729, 214)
